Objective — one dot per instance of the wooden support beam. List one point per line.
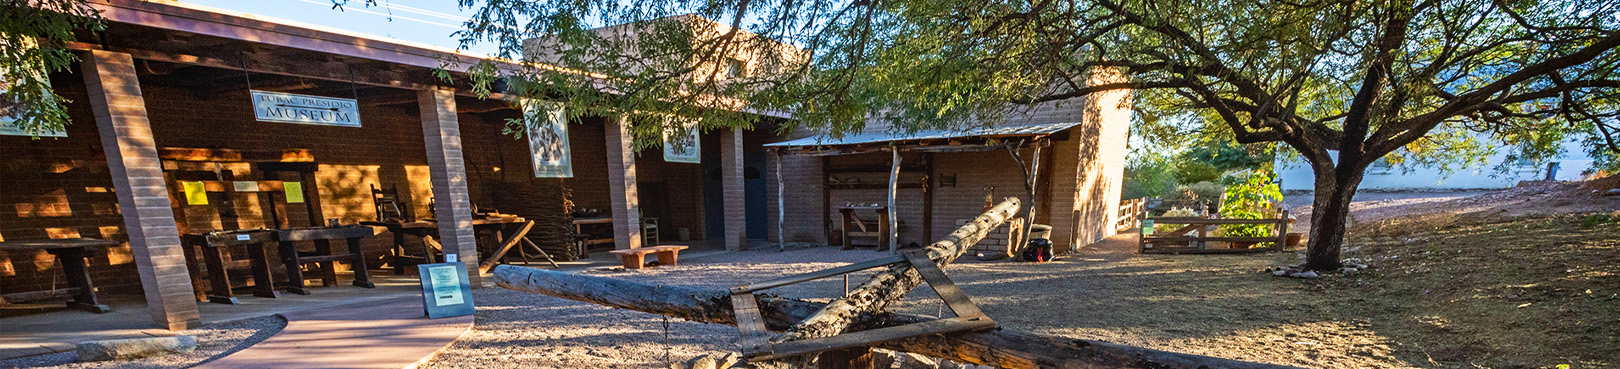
(328, 70)
(1003, 348)
(494, 258)
(894, 184)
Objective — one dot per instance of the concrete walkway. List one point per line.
(391, 333)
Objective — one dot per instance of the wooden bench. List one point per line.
(635, 258)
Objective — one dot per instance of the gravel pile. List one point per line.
(213, 342)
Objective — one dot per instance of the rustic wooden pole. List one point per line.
(781, 205)
(1033, 185)
(894, 189)
(892, 284)
(1003, 348)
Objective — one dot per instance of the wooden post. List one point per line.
(928, 196)
(1282, 231)
(826, 203)
(781, 206)
(893, 232)
(1034, 181)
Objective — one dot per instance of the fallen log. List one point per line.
(1003, 348)
(892, 285)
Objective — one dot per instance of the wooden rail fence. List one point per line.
(1194, 238)
(1130, 214)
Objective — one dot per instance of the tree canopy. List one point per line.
(31, 32)
(1368, 78)
(1342, 83)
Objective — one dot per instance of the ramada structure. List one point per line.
(170, 138)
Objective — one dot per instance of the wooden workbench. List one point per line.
(70, 252)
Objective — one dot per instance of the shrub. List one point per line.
(1199, 193)
(1189, 171)
(1255, 198)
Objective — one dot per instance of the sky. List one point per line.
(424, 21)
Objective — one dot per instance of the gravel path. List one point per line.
(213, 342)
(1214, 305)
(1376, 206)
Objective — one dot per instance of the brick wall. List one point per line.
(1080, 177)
(60, 187)
(801, 197)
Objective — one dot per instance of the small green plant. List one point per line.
(1254, 198)
(1593, 220)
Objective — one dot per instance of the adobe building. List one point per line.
(945, 176)
(810, 180)
(173, 133)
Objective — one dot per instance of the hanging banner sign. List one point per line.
(281, 107)
(548, 139)
(681, 144)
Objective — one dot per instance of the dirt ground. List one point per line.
(1528, 290)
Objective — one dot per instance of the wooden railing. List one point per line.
(1193, 237)
(1130, 214)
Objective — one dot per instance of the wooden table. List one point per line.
(70, 252)
(854, 226)
(295, 260)
(579, 228)
(216, 246)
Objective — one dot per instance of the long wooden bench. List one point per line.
(636, 258)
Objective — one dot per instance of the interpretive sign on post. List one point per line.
(445, 291)
(282, 107)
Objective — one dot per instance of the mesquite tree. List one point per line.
(1342, 83)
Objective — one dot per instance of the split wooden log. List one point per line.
(892, 285)
(1002, 348)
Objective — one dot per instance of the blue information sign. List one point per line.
(445, 291)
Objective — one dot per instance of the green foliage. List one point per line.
(1226, 156)
(1149, 176)
(1255, 198)
(32, 33)
(1191, 171)
(1201, 192)
(1594, 220)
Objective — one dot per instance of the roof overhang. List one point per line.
(962, 140)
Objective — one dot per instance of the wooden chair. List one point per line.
(389, 207)
(649, 231)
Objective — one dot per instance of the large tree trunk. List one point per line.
(1003, 348)
(1335, 189)
(894, 283)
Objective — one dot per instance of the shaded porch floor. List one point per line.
(60, 330)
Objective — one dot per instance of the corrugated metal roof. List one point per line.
(876, 137)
